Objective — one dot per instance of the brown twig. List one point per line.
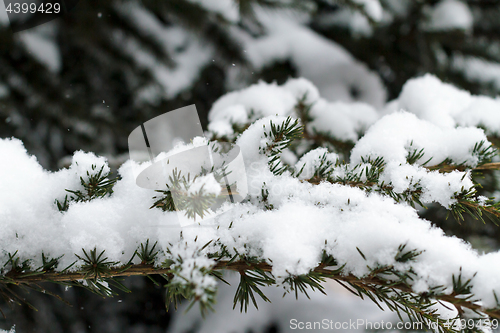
(452, 167)
(488, 209)
(489, 166)
(239, 266)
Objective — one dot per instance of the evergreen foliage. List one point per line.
(383, 284)
(97, 72)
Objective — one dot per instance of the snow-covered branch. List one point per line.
(308, 215)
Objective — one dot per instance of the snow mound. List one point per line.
(447, 106)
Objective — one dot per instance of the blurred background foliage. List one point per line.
(87, 79)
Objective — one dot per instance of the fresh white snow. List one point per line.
(306, 220)
(447, 106)
(449, 15)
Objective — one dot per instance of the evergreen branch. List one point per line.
(165, 202)
(488, 166)
(95, 185)
(250, 281)
(322, 139)
(265, 197)
(303, 110)
(414, 155)
(353, 5)
(280, 137)
(192, 204)
(366, 176)
(182, 287)
(494, 139)
(300, 283)
(447, 166)
(212, 28)
(98, 275)
(483, 153)
(397, 295)
(146, 253)
(369, 283)
(95, 265)
(246, 6)
(477, 210)
(466, 201)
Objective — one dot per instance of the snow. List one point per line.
(396, 135)
(286, 37)
(446, 310)
(477, 70)
(339, 73)
(295, 211)
(12, 330)
(259, 100)
(117, 224)
(305, 220)
(373, 8)
(4, 90)
(342, 120)
(227, 8)
(180, 146)
(353, 20)
(302, 88)
(449, 15)
(310, 162)
(4, 18)
(207, 183)
(392, 135)
(189, 55)
(41, 43)
(236, 106)
(357, 20)
(398, 8)
(290, 231)
(447, 106)
(83, 162)
(436, 187)
(186, 272)
(23, 171)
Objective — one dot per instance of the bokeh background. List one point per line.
(85, 80)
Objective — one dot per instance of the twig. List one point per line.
(239, 266)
